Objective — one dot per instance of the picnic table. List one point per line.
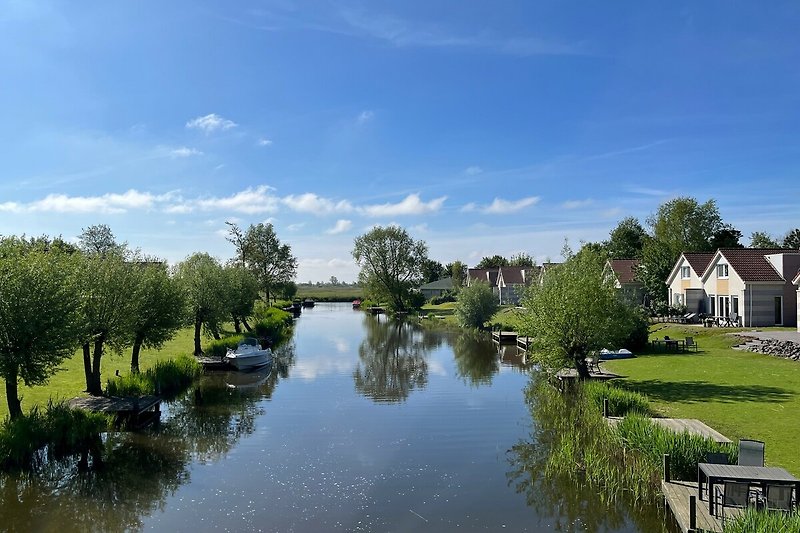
(755, 475)
(676, 345)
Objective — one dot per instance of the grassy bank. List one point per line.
(740, 394)
(166, 378)
(330, 293)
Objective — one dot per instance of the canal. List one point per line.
(361, 424)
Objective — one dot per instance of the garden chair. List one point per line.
(730, 494)
(779, 497)
(717, 458)
(751, 453)
(690, 344)
(593, 362)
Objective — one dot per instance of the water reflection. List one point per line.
(573, 505)
(393, 359)
(475, 357)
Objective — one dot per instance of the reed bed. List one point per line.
(758, 521)
(166, 378)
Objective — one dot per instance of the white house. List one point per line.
(685, 285)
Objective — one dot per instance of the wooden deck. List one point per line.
(524, 342)
(504, 337)
(678, 498)
(212, 363)
(130, 412)
(688, 425)
(566, 374)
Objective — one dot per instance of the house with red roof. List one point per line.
(508, 283)
(625, 279)
(751, 286)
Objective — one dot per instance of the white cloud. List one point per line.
(249, 201)
(500, 206)
(210, 123)
(473, 171)
(184, 151)
(411, 205)
(296, 227)
(340, 227)
(612, 212)
(575, 204)
(365, 116)
(420, 228)
(264, 142)
(110, 203)
(311, 203)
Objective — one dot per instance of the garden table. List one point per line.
(755, 475)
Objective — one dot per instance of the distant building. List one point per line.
(624, 272)
(436, 288)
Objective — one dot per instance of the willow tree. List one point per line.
(159, 308)
(391, 264)
(259, 249)
(204, 282)
(39, 318)
(242, 295)
(574, 311)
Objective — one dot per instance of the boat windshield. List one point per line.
(250, 341)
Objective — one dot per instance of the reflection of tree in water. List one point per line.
(393, 359)
(130, 475)
(573, 503)
(476, 358)
(110, 489)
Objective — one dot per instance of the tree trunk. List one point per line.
(215, 334)
(246, 325)
(87, 365)
(137, 345)
(197, 325)
(581, 367)
(237, 325)
(96, 388)
(12, 395)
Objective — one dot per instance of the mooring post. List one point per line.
(692, 513)
(605, 407)
(666, 468)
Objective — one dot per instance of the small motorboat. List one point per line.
(356, 304)
(308, 302)
(248, 355)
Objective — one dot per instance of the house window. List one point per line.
(685, 272)
(722, 271)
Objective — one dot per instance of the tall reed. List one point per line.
(756, 521)
(167, 378)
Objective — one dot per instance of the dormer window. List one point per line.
(685, 272)
(722, 271)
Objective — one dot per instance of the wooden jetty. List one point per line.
(689, 511)
(569, 374)
(681, 425)
(504, 337)
(524, 342)
(212, 363)
(376, 310)
(135, 412)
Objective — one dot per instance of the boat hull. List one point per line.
(249, 361)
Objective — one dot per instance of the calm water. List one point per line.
(360, 425)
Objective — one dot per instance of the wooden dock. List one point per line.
(376, 310)
(504, 337)
(212, 363)
(130, 411)
(524, 342)
(688, 425)
(569, 374)
(690, 512)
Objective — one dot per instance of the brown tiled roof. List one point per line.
(625, 269)
(488, 275)
(699, 260)
(750, 263)
(513, 275)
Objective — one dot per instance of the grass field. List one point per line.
(330, 293)
(70, 381)
(740, 394)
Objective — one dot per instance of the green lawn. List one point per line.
(70, 381)
(740, 394)
(330, 293)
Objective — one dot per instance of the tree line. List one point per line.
(101, 295)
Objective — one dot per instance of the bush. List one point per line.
(273, 324)
(638, 339)
(415, 300)
(61, 429)
(218, 347)
(476, 304)
(620, 401)
(447, 297)
(166, 378)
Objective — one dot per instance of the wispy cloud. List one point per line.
(624, 151)
(365, 116)
(500, 206)
(473, 171)
(311, 203)
(410, 205)
(296, 227)
(184, 151)
(264, 142)
(647, 191)
(111, 203)
(340, 227)
(210, 123)
(576, 204)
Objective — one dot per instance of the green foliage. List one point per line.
(273, 324)
(753, 520)
(760, 239)
(40, 325)
(627, 240)
(620, 401)
(458, 271)
(476, 304)
(262, 253)
(726, 237)
(574, 311)
(791, 241)
(204, 282)
(685, 449)
(683, 225)
(522, 259)
(62, 429)
(243, 291)
(391, 265)
(100, 240)
(166, 378)
(432, 271)
(653, 271)
(448, 296)
(494, 261)
(219, 347)
(639, 337)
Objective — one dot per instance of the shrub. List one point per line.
(476, 304)
(273, 324)
(447, 297)
(758, 520)
(218, 347)
(61, 429)
(620, 401)
(166, 378)
(638, 339)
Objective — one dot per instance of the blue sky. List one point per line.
(481, 127)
